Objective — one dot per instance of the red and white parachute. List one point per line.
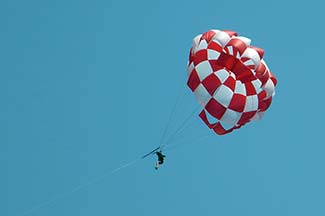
(230, 79)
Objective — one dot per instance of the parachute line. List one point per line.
(183, 124)
(180, 144)
(171, 116)
(76, 189)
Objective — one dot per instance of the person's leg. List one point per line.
(157, 165)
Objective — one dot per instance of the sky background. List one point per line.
(88, 86)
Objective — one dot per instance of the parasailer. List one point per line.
(160, 159)
(160, 156)
(229, 79)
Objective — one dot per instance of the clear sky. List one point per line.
(88, 86)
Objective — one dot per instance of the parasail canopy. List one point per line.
(230, 80)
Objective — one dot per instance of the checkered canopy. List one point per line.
(230, 79)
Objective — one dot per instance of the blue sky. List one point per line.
(88, 86)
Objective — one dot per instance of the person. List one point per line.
(160, 159)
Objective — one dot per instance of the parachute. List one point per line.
(229, 79)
